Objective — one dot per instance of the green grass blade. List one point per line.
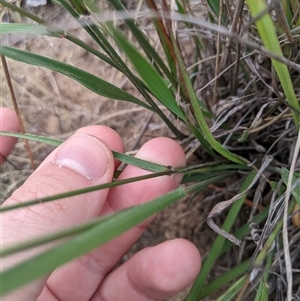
(22, 12)
(218, 244)
(154, 167)
(24, 28)
(100, 38)
(296, 191)
(162, 31)
(42, 139)
(198, 112)
(72, 231)
(233, 290)
(105, 230)
(86, 79)
(143, 164)
(268, 35)
(262, 292)
(47, 238)
(92, 238)
(149, 75)
(83, 190)
(224, 279)
(50, 30)
(144, 43)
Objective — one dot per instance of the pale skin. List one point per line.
(154, 273)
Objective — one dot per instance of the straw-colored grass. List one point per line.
(220, 77)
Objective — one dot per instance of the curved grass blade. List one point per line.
(244, 230)
(205, 131)
(268, 35)
(105, 230)
(218, 244)
(86, 79)
(236, 271)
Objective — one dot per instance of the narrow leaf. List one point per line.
(143, 41)
(83, 190)
(233, 290)
(205, 131)
(143, 164)
(107, 229)
(296, 191)
(218, 244)
(224, 279)
(24, 28)
(88, 80)
(92, 238)
(268, 35)
(150, 76)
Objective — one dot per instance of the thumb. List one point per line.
(82, 161)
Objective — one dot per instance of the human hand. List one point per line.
(85, 159)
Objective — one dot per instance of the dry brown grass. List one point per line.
(54, 105)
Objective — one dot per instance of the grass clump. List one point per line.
(224, 77)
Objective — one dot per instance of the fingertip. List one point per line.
(178, 263)
(154, 273)
(8, 122)
(163, 150)
(167, 268)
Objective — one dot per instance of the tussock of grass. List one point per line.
(223, 78)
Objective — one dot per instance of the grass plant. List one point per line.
(223, 76)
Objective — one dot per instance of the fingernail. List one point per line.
(84, 154)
